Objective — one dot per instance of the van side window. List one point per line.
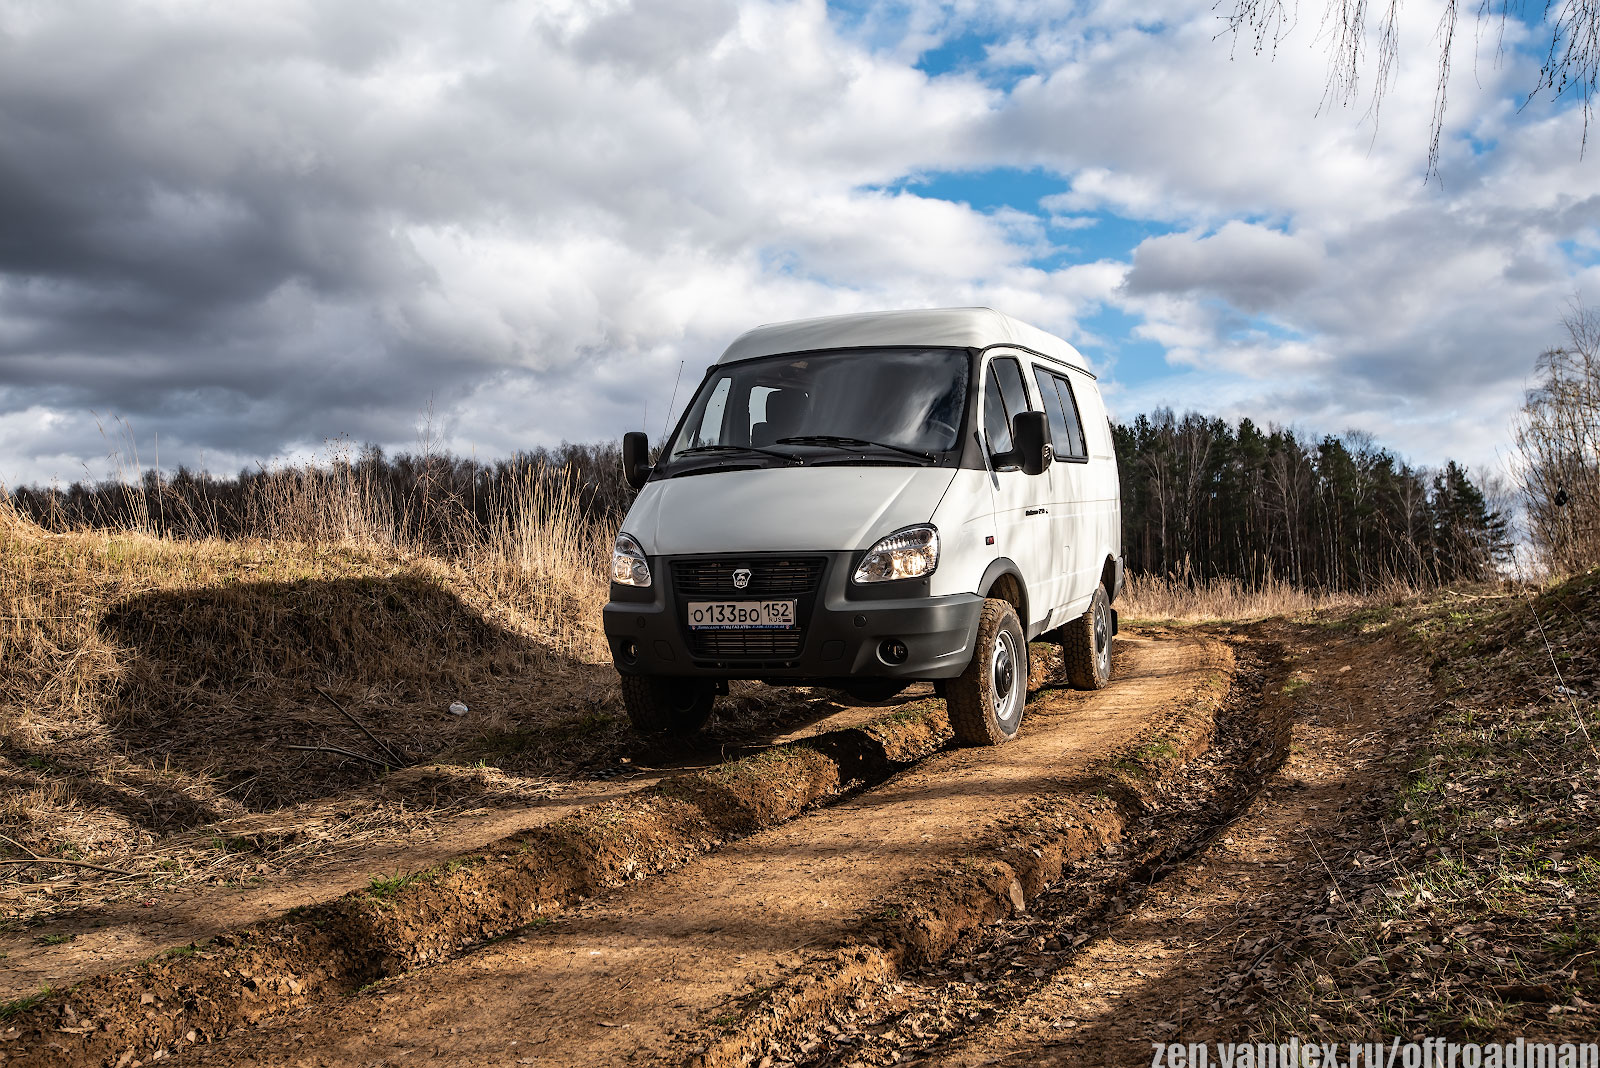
(1004, 398)
(1066, 431)
(710, 428)
(995, 427)
(1010, 374)
(1069, 403)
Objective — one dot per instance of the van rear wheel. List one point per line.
(1086, 645)
(985, 701)
(658, 703)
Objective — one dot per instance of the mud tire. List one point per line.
(660, 703)
(984, 707)
(1086, 645)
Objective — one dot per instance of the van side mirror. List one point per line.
(636, 458)
(1030, 435)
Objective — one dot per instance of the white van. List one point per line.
(865, 501)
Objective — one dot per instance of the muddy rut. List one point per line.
(648, 972)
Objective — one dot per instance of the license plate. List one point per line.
(741, 615)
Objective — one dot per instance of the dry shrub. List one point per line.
(1157, 597)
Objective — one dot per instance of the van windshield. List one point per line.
(897, 405)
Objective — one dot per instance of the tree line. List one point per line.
(1202, 499)
(429, 499)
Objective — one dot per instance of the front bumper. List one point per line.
(841, 627)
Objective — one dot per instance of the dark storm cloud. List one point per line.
(1253, 268)
(180, 242)
(248, 228)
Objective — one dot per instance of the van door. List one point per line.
(1071, 523)
(1021, 501)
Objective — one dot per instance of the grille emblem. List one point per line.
(741, 578)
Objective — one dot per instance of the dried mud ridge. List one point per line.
(1080, 859)
(203, 992)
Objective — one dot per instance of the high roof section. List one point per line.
(934, 327)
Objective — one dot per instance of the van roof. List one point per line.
(933, 327)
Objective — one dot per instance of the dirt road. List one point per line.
(340, 858)
(1183, 936)
(116, 936)
(1216, 923)
(634, 974)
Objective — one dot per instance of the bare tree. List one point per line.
(1558, 449)
(1571, 63)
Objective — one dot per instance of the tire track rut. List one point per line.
(643, 973)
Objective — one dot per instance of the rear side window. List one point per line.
(1066, 430)
(1004, 398)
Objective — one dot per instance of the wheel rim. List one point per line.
(1005, 688)
(1102, 638)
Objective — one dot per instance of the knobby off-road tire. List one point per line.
(657, 703)
(1086, 645)
(985, 702)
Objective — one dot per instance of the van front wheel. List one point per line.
(656, 703)
(1086, 645)
(985, 702)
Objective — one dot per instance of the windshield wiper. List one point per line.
(838, 439)
(791, 457)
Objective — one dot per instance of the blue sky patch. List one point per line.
(1124, 358)
(1103, 234)
(963, 52)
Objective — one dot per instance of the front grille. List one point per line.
(764, 644)
(799, 577)
(769, 577)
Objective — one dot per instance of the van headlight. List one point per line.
(628, 565)
(904, 554)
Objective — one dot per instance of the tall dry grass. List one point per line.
(547, 561)
(538, 564)
(330, 581)
(532, 554)
(1198, 600)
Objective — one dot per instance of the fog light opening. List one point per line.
(628, 651)
(893, 651)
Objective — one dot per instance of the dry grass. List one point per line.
(1485, 923)
(1197, 600)
(149, 686)
(539, 564)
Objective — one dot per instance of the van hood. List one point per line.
(783, 509)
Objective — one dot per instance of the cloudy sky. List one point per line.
(239, 230)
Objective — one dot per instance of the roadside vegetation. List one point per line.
(1473, 909)
(1185, 599)
(153, 688)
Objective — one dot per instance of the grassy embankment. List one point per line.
(1482, 917)
(149, 687)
